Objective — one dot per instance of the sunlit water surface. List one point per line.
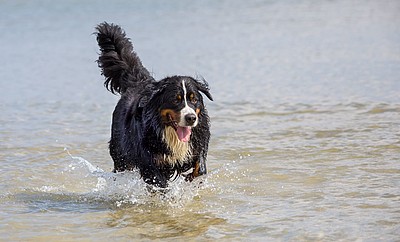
(305, 123)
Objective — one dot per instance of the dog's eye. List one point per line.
(192, 98)
(178, 98)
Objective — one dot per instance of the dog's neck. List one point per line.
(180, 151)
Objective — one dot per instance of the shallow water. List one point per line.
(305, 123)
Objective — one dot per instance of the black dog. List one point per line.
(161, 128)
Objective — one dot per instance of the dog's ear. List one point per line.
(202, 86)
(156, 90)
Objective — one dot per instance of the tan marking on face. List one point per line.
(165, 112)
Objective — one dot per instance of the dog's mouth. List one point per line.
(183, 133)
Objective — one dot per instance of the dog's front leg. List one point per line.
(199, 168)
(152, 176)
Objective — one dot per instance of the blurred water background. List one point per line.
(305, 123)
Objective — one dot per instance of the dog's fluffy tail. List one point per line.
(120, 65)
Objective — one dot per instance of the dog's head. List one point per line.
(181, 103)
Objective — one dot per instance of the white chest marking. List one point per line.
(180, 151)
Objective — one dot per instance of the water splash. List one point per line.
(86, 182)
(90, 167)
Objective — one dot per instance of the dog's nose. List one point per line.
(190, 118)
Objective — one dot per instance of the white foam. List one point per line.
(92, 183)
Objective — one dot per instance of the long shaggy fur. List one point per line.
(119, 63)
(153, 120)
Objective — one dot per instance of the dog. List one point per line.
(160, 128)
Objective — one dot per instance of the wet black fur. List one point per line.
(137, 127)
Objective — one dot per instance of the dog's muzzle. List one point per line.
(183, 132)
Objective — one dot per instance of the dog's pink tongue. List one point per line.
(183, 133)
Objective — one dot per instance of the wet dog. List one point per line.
(160, 128)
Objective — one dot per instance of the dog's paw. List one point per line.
(189, 177)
